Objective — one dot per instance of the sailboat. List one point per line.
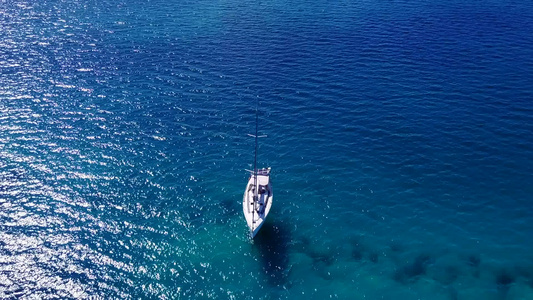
(258, 196)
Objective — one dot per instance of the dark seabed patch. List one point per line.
(322, 261)
(411, 271)
(361, 252)
(358, 250)
(504, 278)
(323, 257)
(396, 246)
(472, 262)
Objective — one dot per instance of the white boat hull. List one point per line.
(256, 211)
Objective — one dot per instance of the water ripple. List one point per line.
(398, 132)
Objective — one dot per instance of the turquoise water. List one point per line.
(400, 136)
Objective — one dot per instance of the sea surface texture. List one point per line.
(400, 136)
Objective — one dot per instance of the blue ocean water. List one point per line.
(400, 136)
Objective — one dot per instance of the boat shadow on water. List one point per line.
(271, 244)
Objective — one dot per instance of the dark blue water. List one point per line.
(400, 136)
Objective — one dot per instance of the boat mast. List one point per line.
(256, 188)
